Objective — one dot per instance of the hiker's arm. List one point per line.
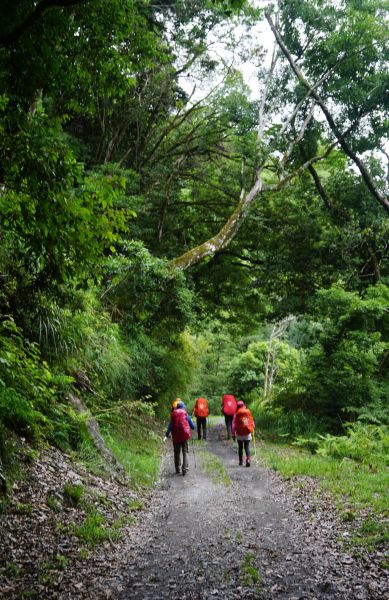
(169, 429)
(191, 424)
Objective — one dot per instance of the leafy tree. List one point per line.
(248, 368)
(344, 371)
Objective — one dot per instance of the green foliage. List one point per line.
(108, 170)
(364, 443)
(73, 493)
(29, 392)
(11, 570)
(275, 423)
(355, 486)
(93, 530)
(248, 368)
(216, 345)
(143, 289)
(17, 414)
(345, 369)
(340, 374)
(57, 221)
(214, 467)
(250, 571)
(135, 442)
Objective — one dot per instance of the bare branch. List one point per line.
(261, 110)
(319, 186)
(272, 187)
(299, 136)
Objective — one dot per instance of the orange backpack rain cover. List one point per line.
(201, 408)
(244, 423)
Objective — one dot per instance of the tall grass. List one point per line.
(136, 444)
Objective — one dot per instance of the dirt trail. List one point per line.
(247, 540)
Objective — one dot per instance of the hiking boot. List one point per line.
(183, 473)
(177, 471)
(247, 462)
(241, 463)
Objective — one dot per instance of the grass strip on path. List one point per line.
(213, 467)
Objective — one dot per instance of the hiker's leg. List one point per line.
(247, 448)
(247, 451)
(198, 420)
(240, 451)
(204, 428)
(177, 456)
(229, 423)
(185, 462)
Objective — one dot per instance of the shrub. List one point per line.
(17, 414)
(364, 443)
(29, 390)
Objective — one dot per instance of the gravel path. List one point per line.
(254, 536)
(251, 539)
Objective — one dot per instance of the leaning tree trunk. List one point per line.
(114, 466)
(3, 481)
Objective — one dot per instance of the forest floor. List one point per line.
(223, 531)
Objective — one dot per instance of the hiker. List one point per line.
(179, 426)
(201, 413)
(242, 427)
(228, 410)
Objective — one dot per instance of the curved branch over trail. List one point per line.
(223, 237)
(221, 240)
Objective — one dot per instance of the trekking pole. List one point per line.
(255, 448)
(194, 454)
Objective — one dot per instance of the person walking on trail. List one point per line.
(242, 427)
(179, 426)
(228, 410)
(201, 412)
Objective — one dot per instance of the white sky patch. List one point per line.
(234, 46)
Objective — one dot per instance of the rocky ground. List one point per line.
(254, 536)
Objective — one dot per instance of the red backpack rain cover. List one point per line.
(201, 408)
(180, 426)
(229, 404)
(244, 422)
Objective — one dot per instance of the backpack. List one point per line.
(201, 408)
(229, 404)
(244, 422)
(180, 426)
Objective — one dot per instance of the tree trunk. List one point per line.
(115, 468)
